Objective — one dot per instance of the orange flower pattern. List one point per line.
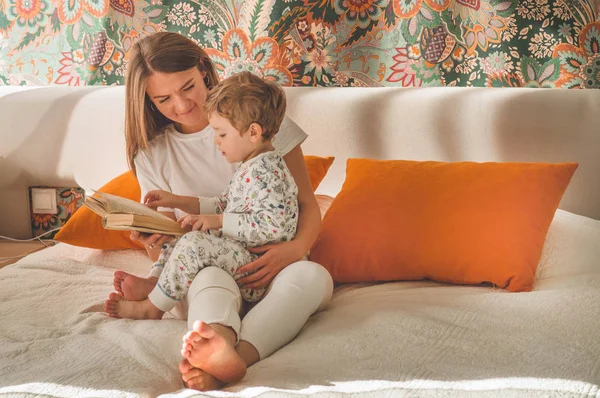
(374, 43)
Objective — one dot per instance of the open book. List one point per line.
(127, 215)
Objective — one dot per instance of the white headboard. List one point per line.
(64, 135)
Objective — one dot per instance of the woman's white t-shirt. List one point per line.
(192, 165)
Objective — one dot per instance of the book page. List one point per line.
(149, 224)
(117, 204)
(97, 205)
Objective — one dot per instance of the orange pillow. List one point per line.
(463, 223)
(85, 229)
(317, 168)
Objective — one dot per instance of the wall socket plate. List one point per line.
(43, 201)
(51, 207)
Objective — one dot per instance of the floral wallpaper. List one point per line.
(490, 43)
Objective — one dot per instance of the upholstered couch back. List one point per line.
(62, 136)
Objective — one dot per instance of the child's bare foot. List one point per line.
(133, 287)
(198, 379)
(209, 351)
(117, 307)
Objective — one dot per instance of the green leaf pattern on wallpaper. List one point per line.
(404, 43)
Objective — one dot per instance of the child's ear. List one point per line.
(256, 132)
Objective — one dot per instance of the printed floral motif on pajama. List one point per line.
(196, 250)
(261, 207)
(165, 253)
(261, 199)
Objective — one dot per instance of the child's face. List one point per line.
(234, 146)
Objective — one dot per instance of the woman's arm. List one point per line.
(309, 218)
(277, 256)
(150, 180)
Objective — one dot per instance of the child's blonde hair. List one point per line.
(165, 52)
(245, 98)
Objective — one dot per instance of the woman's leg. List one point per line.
(298, 291)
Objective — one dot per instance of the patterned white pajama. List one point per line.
(260, 206)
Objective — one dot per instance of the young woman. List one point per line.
(170, 147)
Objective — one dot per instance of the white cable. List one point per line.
(28, 240)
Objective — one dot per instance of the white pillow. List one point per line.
(571, 255)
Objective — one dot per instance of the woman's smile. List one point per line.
(188, 111)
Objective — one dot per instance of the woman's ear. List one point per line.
(256, 132)
(205, 79)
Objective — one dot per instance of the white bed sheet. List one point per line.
(407, 339)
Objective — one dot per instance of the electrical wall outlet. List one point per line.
(43, 201)
(52, 207)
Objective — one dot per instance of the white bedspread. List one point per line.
(409, 339)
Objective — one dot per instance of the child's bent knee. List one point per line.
(211, 277)
(214, 297)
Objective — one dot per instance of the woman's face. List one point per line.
(180, 97)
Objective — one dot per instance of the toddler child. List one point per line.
(259, 206)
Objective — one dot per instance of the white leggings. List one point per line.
(298, 291)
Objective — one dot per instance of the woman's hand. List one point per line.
(151, 241)
(276, 257)
(202, 222)
(160, 198)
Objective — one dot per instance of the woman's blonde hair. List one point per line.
(164, 52)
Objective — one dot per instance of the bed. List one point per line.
(398, 339)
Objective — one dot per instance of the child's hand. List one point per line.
(202, 222)
(160, 198)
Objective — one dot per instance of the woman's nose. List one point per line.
(181, 105)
